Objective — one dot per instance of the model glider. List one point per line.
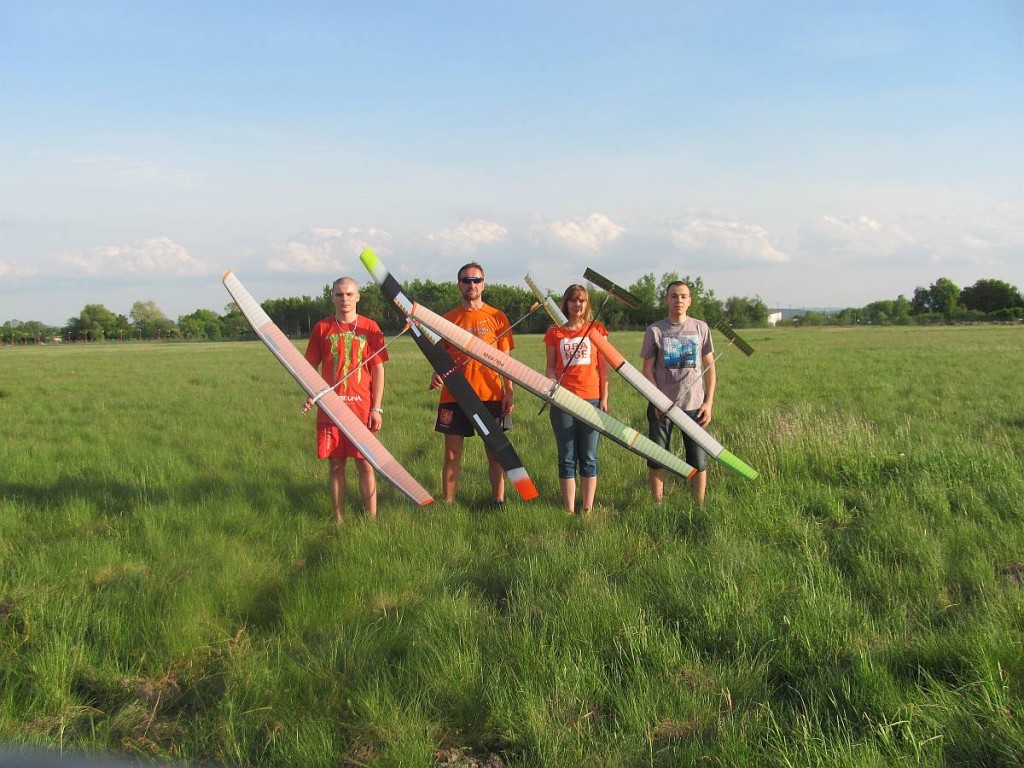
(314, 385)
(734, 341)
(654, 395)
(441, 361)
(547, 389)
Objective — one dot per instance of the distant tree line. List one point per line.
(519, 304)
(942, 302)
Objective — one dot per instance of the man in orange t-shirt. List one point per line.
(491, 326)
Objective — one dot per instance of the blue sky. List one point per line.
(811, 153)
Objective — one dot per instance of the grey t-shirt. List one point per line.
(678, 350)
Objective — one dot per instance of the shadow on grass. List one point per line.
(114, 498)
(266, 609)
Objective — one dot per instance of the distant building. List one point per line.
(774, 316)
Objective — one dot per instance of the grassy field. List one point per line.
(172, 584)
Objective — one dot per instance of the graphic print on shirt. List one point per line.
(680, 352)
(574, 351)
(480, 331)
(342, 345)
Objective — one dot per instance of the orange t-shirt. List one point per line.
(487, 324)
(580, 355)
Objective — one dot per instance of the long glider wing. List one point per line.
(547, 390)
(314, 385)
(654, 395)
(441, 361)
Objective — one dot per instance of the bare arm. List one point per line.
(376, 397)
(507, 400)
(649, 375)
(602, 379)
(710, 382)
(508, 397)
(649, 369)
(551, 372)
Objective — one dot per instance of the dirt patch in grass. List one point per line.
(463, 757)
(1013, 572)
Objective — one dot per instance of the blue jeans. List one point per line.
(577, 444)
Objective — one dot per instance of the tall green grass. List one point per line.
(172, 584)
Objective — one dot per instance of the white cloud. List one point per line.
(857, 237)
(327, 249)
(721, 239)
(556, 254)
(15, 270)
(152, 256)
(465, 237)
(990, 235)
(981, 237)
(592, 233)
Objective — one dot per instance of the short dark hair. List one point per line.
(674, 283)
(471, 265)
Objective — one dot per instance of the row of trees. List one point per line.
(145, 321)
(942, 301)
(296, 316)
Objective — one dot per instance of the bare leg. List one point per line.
(336, 481)
(452, 468)
(367, 487)
(568, 486)
(497, 477)
(656, 479)
(588, 490)
(698, 486)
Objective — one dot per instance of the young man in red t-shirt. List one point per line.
(350, 349)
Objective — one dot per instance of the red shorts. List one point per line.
(330, 442)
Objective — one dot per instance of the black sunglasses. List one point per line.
(470, 280)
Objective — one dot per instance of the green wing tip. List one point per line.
(737, 464)
(368, 255)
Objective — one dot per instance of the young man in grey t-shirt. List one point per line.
(679, 359)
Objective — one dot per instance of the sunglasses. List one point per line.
(470, 280)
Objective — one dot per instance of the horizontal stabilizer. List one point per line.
(615, 290)
(734, 338)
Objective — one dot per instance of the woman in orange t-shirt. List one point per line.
(579, 367)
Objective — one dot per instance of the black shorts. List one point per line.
(660, 432)
(452, 420)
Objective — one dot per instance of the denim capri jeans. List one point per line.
(577, 444)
